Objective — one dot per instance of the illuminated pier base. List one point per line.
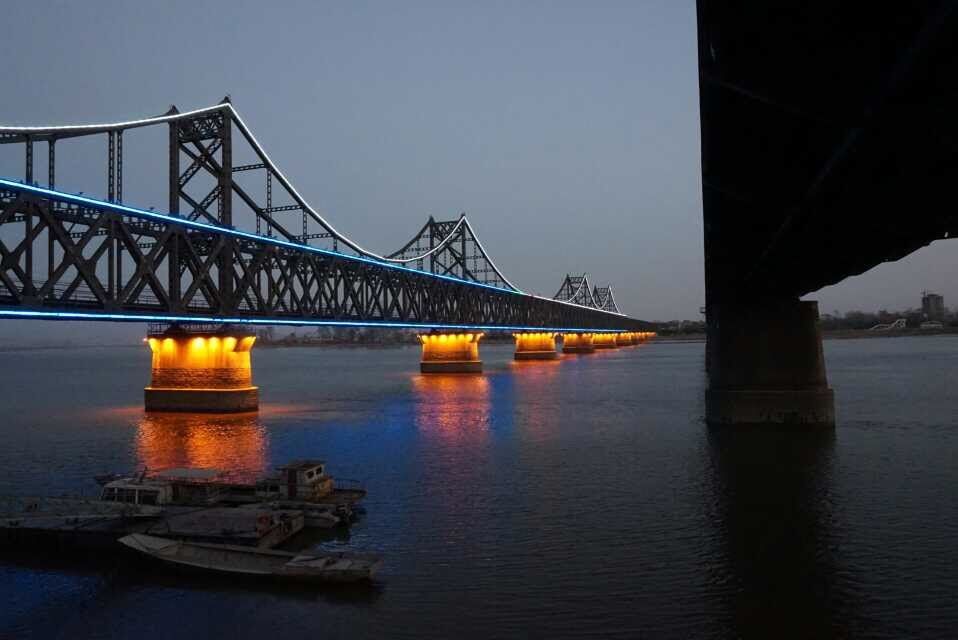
(577, 343)
(202, 372)
(450, 353)
(625, 339)
(766, 366)
(536, 346)
(604, 341)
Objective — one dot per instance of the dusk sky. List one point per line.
(568, 132)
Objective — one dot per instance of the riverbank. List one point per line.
(845, 334)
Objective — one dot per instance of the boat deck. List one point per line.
(64, 521)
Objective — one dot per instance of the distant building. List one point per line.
(932, 306)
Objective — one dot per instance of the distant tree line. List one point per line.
(350, 336)
(850, 321)
(681, 327)
(336, 335)
(861, 320)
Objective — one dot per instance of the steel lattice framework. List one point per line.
(65, 255)
(451, 248)
(604, 299)
(575, 289)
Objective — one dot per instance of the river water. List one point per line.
(580, 498)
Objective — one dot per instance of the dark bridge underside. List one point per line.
(829, 139)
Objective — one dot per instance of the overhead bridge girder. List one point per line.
(115, 260)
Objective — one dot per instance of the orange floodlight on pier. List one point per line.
(536, 345)
(625, 339)
(450, 353)
(577, 343)
(207, 371)
(604, 341)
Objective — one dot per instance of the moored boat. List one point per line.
(265, 563)
(317, 515)
(304, 481)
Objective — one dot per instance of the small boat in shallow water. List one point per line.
(267, 563)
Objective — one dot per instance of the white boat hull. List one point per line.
(238, 560)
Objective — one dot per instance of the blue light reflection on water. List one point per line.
(566, 498)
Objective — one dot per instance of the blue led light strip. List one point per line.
(162, 317)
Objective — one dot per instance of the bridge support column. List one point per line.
(536, 346)
(577, 343)
(450, 353)
(766, 365)
(207, 372)
(604, 341)
(625, 339)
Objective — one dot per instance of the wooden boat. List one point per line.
(267, 563)
(298, 481)
(318, 515)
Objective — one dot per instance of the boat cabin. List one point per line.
(171, 486)
(299, 480)
(133, 492)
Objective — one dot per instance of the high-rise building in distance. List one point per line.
(932, 306)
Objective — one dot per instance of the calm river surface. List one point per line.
(581, 498)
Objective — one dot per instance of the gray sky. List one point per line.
(567, 131)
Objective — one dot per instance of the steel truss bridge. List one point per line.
(239, 244)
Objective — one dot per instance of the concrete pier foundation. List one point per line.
(626, 339)
(604, 341)
(766, 365)
(450, 353)
(536, 346)
(577, 343)
(201, 372)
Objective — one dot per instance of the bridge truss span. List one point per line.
(213, 177)
(76, 257)
(451, 248)
(238, 241)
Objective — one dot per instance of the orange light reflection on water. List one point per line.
(537, 409)
(452, 407)
(236, 443)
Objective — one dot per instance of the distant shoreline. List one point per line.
(843, 334)
(852, 334)
(846, 334)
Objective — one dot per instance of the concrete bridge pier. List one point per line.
(450, 353)
(536, 345)
(625, 339)
(766, 365)
(201, 371)
(577, 343)
(604, 341)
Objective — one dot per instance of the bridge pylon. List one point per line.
(450, 352)
(536, 345)
(577, 343)
(200, 368)
(604, 341)
(766, 365)
(625, 339)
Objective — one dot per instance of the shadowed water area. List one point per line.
(577, 498)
